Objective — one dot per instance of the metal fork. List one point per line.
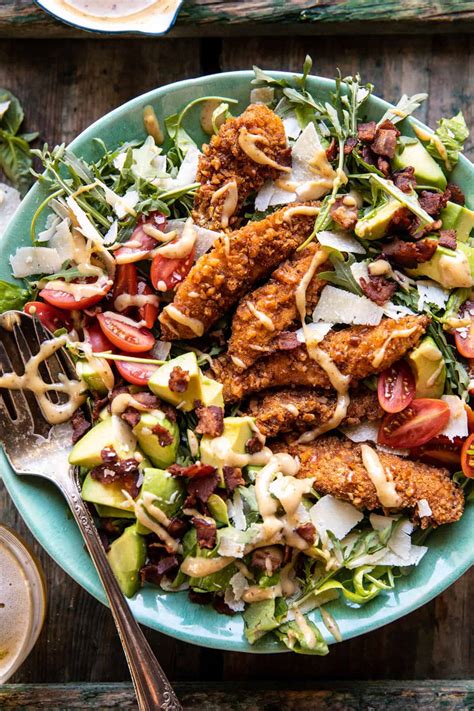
(36, 448)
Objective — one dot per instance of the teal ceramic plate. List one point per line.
(450, 548)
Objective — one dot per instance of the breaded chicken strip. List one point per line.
(358, 351)
(339, 470)
(300, 409)
(236, 261)
(263, 314)
(225, 163)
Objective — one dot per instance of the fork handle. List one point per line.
(152, 688)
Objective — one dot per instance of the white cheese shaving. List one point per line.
(380, 523)
(360, 270)
(341, 241)
(387, 557)
(9, 201)
(457, 425)
(292, 126)
(396, 312)
(52, 222)
(424, 509)
(111, 236)
(34, 260)
(400, 541)
(160, 350)
(316, 331)
(237, 515)
(204, 240)
(339, 306)
(262, 95)
(364, 432)
(232, 545)
(429, 292)
(331, 514)
(85, 225)
(63, 241)
(148, 163)
(188, 169)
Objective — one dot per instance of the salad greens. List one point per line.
(15, 152)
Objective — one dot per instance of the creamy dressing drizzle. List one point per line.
(307, 210)
(157, 234)
(152, 517)
(194, 324)
(436, 142)
(265, 320)
(78, 291)
(380, 478)
(124, 301)
(231, 192)
(184, 245)
(200, 567)
(248, 143)
(400, 333)
(305, 629)
(121, 402)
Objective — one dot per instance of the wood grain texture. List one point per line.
(23, 18)
(449, 696)
(64, 86)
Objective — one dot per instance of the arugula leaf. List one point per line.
(452, 133)
(457, 378)
(406, 106)
(12, 296)
(342, 275)
(15, 153)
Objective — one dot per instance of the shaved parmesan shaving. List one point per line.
(204, 240)
(424, 508)
(395, 311)
(457, 425)
(262, 200)
(160, 350)
(339, 517)
(262, 95)
(148, 163)
(341, 241)
(292, 126)
(400, 541)
(9, 201)
(339, 306)
(35, 260)
(85, 225)
(63, 241)
(238, 516)
(232, 545)
(360, 270)
(188, 169)
(380, 523)
(122, 204)
(112, 233)
(431, 293)
(51, 224)
(365, 432)
(316, 331)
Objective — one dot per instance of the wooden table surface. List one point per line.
(65, 84)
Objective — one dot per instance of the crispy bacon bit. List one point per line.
(154, 572)
(448, 238)
(385, 143)
(409, 254)
(117, 390)
(383, 165)
(350, 144)
(401, 220)
(307, 532)
(201, 489)
(254, 444)
(131, 416)
(220, 606)
(378, 289)
(147, 399)
(368, 156)
(455, 194)
(287, 341)
(79, 425)
(195, 470)
(331, 150)
(344, 215)
(98, 405)
(206, 532)
(367, 131)
(179, 379)
(267, 559)
(110, 526)
(432, 203)
(200, 598)
(116, 470)
(177, 527)
(233, 478)
(404, 179)
(108, 455)
(164, 435)
(210, 419)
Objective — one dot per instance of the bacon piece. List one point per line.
(178, 380)
(98, 405)
(378, 289)
(448, 238)
(404, 179)
(220, 606)
(79, 425)
(350, 144)
(409, 254)
(385, 142)
(201, 488)
(383, 165)
(147, 399)
(432, 203)
(206, 532)
(200, 598)
(253, 445)
(344, 215)
(269, 559)
(286, 341)
(131, 416)
(331, 150)
(154, 572)
(366, 131)
(368, 156)
(210, 419)
(233, 478)
(114, 470)
(307, 532)
(455, 194)
(194, 470)
(165, 437)
(177, 527)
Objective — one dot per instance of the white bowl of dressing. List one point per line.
(22, 602)
(152, 17)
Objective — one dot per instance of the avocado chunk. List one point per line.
(112, 432)
(218, 509)
(104, 495)
(97, 375)
(449, 268)
(218, 451)
(375, 223)
(427, 171)
(126, 556)
(168, 493)
(429, 369)
(160, 455)
(159, 382)
(211, 392)
(459, 218)
(110, 512)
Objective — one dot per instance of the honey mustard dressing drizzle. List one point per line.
(231, 192)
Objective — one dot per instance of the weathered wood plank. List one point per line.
(409, 696)
(22, 18)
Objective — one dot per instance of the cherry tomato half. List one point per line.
(467, 457)
(50, 317)
(95, 336)
(140, 244)
(65, 300)
(122, 333)
(464, 337)
(166, 273)
(417, 424)
(396, 387)
(136, 373)
(148, 312)
(445, 454)
(125, 280)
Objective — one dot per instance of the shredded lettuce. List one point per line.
(452, 132)
(12, 296)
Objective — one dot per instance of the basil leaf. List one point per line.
(12, 296)
(13, 116)
(15, 154)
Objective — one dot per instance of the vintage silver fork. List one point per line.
(36, 448)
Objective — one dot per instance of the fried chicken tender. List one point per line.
(263, 314)
(236, 261)
(224, 162)
(338, 469)
(358, 351)
(300, 409)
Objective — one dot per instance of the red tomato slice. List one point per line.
(50, 317)
(464, 337)
(125, 280)
(165, 273)
(136, 373)
(140, 244)
(467, 457)
(396, 387)
(65, 300)
(470, 419)
(124, 334)
(445, 454)
(417, 424)
(148, 312)
(95, 336)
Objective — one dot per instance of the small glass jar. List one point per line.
(22, 602)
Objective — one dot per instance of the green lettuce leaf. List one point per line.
(452, 133)
(262, 617)
(293, 637)
(12, 296)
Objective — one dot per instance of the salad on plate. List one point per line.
(273, 335)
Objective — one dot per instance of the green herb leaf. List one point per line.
(15, 153)
(342, 275)
(406, 106)
(452, 133)
(12, 296)
(295, 639)
(457, 378)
